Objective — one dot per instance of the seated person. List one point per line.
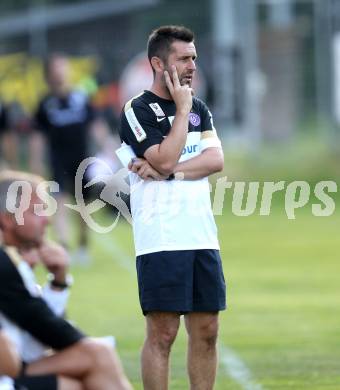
(78, 362)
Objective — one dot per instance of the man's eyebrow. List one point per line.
(188, 56)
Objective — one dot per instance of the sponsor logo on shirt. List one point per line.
(135, 126)
(157, 109)
(139, 131)
(190, 149)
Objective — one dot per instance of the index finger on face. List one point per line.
(175, 76)
(168, 81)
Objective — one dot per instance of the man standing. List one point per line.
(64, 117)
(178, 263)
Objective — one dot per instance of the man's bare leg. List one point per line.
(92, 362)
(61, 221)
(202, 329)
(160, 334)
(65, 383)
(36, 148)
(10, 149)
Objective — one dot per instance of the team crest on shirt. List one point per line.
(156, 108)
(194, 119)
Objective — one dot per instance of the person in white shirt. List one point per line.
(179, 268)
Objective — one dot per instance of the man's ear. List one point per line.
(157, 64)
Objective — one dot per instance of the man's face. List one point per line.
(32, 232)
(58, 75)
(183, 56)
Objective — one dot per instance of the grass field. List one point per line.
(282, 327)
(283, 296)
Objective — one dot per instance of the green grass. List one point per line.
(283, 284)
(283, 297)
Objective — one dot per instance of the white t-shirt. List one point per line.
(169, 215)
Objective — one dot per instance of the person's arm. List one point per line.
(144, 170)
(9, 359)
(210, 161)
(30, 312)
(37, 146)
(56, 260)
(164, 156)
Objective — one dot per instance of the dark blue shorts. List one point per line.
(37, 382)
(181, 281)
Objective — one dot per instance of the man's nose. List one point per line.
(192, 65)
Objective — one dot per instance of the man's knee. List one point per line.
(210, 333)
(162, 334)
(101, 354)
(206, 331)
(65, 383)
(163, 338)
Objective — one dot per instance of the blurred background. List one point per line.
(270, 72)
(268, 68)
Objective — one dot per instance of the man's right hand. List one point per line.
(144, 170)
(181, 94)
(56, 259)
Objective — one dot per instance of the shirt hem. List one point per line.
(177, 248)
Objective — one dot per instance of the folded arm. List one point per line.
(210, 161)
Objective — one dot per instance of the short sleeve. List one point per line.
(206, 117)
(209, 137)
(139, 128)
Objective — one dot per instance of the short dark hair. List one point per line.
(160, 40)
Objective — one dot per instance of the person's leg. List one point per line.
(61, 221)
(36, 150)
(65, 383)
(161, 331)
(83, 233)
(90, 361)
(202, 330)
(85, 193)
(10, 149)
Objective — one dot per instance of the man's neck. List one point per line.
(61, 93)
(9, 240)
(160, 90)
